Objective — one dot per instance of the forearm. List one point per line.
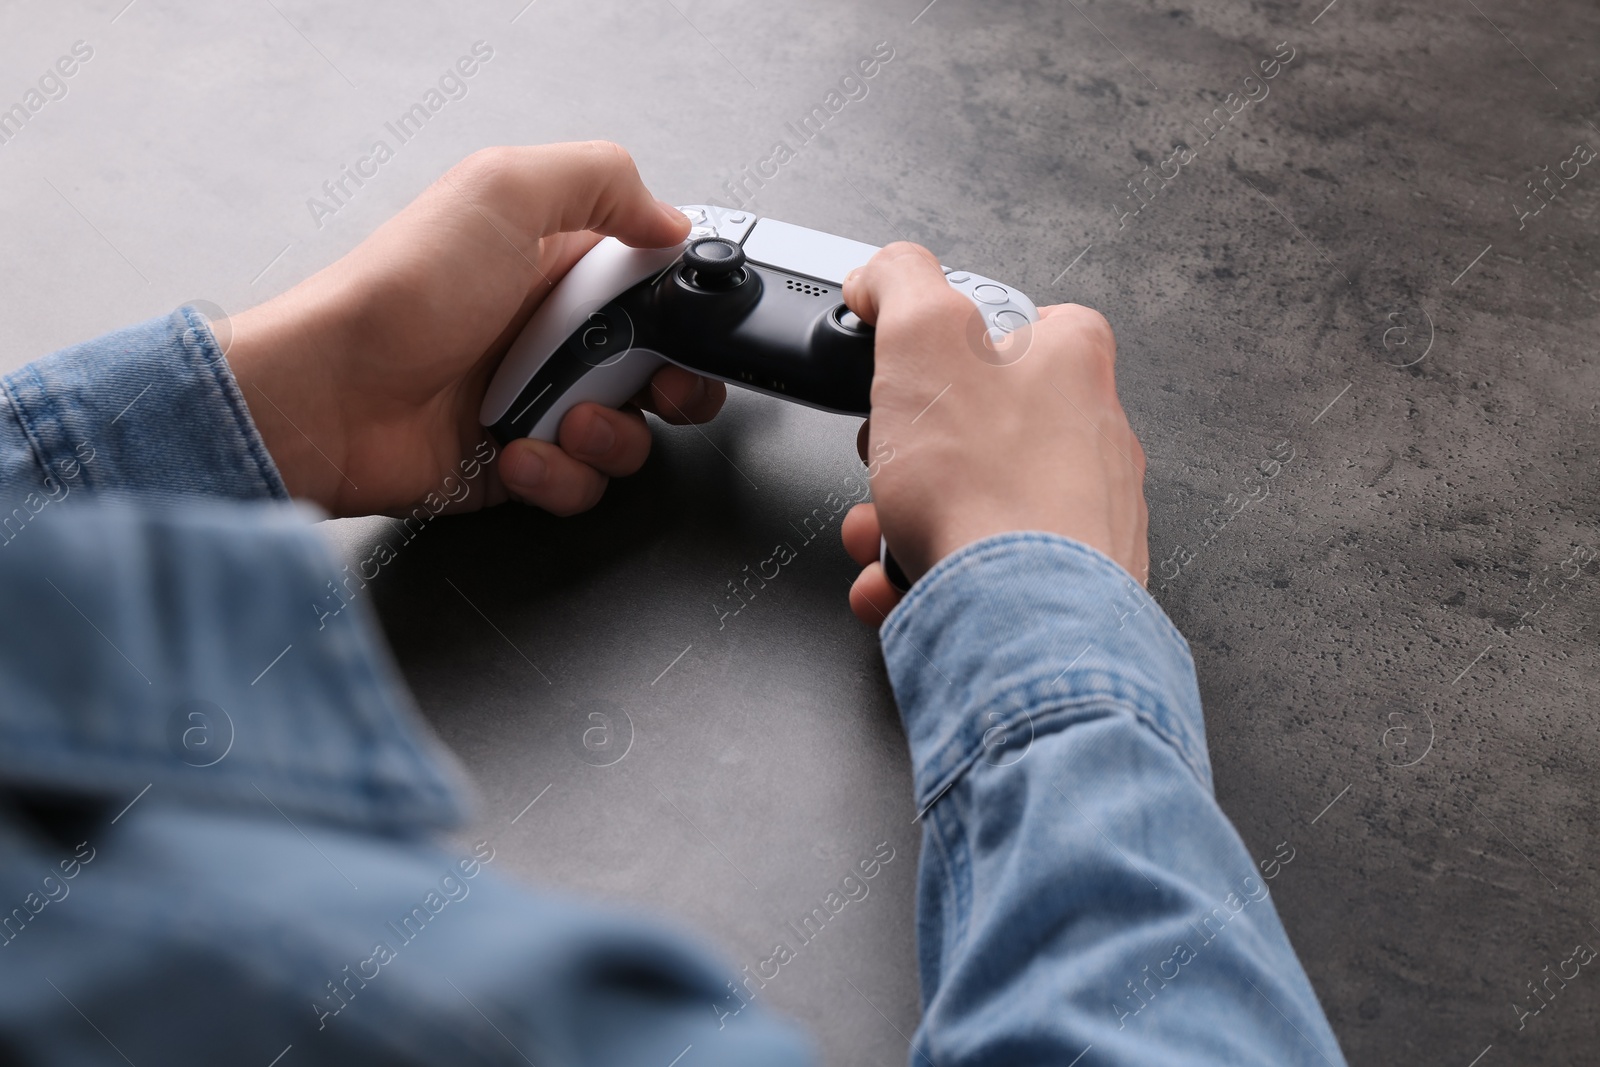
(1079, 884)
(151, 410)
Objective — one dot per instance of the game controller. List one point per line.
(751, 301)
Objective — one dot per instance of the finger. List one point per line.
(541, 474)
(872, 597)
(860, 533)
(615, 443)
(549, 189)
(681, 397)
(1085, 325)
(897, 271)
(561, 253)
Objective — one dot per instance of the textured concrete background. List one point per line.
(1364, 385)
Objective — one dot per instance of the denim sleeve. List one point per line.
(222, 833)
(151, 410)
(1082, 898)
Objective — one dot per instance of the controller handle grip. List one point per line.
(610, 269)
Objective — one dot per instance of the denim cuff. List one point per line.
(152, 409)
(1027, 633)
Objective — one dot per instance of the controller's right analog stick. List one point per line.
(850, 322)
(713, 264)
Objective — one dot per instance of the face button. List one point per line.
(991, 294)
(1009, 320)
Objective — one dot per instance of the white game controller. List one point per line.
(751, 301)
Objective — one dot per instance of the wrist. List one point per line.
(279, 357)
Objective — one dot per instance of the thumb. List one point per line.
(542, 190)
(900, 274)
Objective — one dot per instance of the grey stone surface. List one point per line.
(1395, 644)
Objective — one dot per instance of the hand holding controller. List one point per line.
(986, 447)
(750, 301)
(365, 381)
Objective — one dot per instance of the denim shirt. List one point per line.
(221, 816)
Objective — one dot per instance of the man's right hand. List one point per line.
(984, 442)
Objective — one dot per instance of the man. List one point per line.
(1088, 903)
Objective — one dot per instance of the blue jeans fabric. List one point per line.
(220, 814)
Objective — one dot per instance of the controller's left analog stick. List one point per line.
(714, 264)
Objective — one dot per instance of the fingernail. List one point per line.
(851, 275)
(524, 469)
(598, 441)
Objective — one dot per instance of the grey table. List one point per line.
(1394, 643)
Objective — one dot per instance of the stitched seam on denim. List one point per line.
(397, 715)
(248, 438)
(1142, 704)
(948, 920)
(1137, 698)
(1057, 720)
(351, 656)
(352, 664)
(26, 418)
(1071, 717)
(982, 551)
(950, 829)
(394, 725)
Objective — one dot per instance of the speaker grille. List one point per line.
(805, 287)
